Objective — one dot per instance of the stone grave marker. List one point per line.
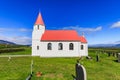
(109, 54)
(119, 57)
(97, 57)
(80, 72)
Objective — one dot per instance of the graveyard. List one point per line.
(19, 68)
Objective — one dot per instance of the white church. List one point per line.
(57, 43)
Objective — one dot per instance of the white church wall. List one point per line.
(36, 36)
(37, 32)
(84, 51)
(44, 52)
(35, 43)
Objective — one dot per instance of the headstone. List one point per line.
(119, 57)
(114, 54)
(29, 77)
(80, 72)
(109, 54)
(97, 57)
(88, 57)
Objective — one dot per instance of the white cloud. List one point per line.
(116, 25)
(21, 40)
(117, 42)
(4, 29)
(24, 30)
(3, 37)
(15, 35)
(24, 40)
(99, 28)
(15, 29)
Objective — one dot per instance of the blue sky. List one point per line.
(98, 19)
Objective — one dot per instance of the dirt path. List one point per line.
(15, 55)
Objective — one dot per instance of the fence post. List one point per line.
(31, 66)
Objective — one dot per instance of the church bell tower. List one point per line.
(39, 28)
(38, 31)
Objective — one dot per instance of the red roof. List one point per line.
(82, 39)
(62, 35)
(39, 20)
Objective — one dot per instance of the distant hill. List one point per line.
(105, 45)
(118, 45)
(6, 42)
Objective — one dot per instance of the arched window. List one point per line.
(49, 46)
(37, 47)
(71, 46)
(60, 46)
(82, 47)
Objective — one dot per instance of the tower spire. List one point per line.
(39, 20)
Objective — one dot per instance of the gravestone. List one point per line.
(119, 57)
(109, 54)
(88, 57)
(114, 54)
(80, 72)
(97, 57)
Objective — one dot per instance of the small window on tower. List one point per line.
(38, 27)
(37, 47)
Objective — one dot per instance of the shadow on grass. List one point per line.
(115, 61)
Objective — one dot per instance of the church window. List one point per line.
(82, 47)
(38, 27)
(71, 46)
(49, 46)
(37, 47)
(60, 46)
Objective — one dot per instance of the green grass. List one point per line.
(26, 52)
(59, 68)
(6, 47)
(16, 69)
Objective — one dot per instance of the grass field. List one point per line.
(18, 68)
(26, 52)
